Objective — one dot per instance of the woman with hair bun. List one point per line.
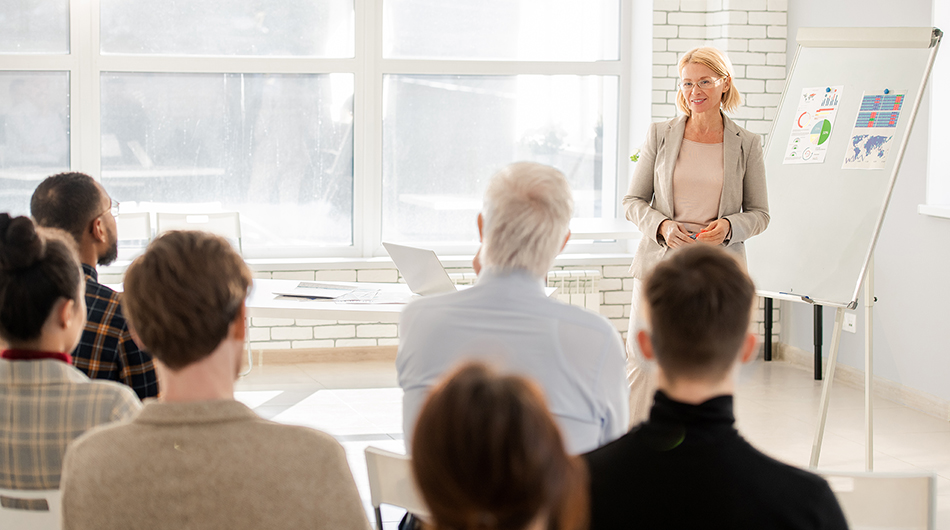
(487, 455)
(44, 401)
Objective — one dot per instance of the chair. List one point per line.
(391, 482)
(134, 228)
(224, 224)
(899, 501)
(33, 519)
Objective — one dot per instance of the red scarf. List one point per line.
(31, 355)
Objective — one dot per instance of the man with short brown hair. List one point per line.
(200, 459)
(687, 466)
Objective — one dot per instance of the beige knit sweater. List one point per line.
(207, 465)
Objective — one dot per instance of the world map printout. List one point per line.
(873, 131)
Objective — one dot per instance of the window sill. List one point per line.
(292, 264)
(934, 210)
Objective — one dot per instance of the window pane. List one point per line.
(444, 136)
(34, 26)
(276, 148)
(523, 30)
(34, 134)
(313, 28)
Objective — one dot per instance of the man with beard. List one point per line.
(76, 203)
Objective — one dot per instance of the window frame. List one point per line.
(85, 64)
(937, 196)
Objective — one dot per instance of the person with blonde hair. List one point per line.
(514, 475)
(505, 318)
(700, 179)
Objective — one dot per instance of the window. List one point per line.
(938, 180)
(328, 125)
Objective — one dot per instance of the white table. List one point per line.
(262, 302)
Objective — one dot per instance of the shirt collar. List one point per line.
(517, 276)
(195, 412)
(673, 423)
(717, 410)
(13, 354)
(91, 272)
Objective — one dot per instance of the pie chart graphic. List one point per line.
(820, 132)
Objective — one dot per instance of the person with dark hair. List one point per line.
(44, 402)
(488, 455)
(687, 466)
(199, 458)
(76, 203)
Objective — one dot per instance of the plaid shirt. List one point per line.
(44, 405)
(106, 349)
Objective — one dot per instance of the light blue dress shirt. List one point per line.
(506, 320)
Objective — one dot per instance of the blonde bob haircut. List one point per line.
(716, 61)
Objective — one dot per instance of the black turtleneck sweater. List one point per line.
(687, 467)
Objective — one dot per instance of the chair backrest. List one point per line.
(904, 501)
(12, 517)
(391, 482)
(224, 224)
(135, 226)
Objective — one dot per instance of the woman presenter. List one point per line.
(700, 179)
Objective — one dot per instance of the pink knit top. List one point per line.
(697, 184)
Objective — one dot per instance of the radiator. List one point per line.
(580, 288)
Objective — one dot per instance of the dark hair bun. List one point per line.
(20, 245)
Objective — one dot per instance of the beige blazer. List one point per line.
(649, 200)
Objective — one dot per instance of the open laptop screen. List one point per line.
(421, 268)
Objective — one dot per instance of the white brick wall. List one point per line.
(279, 333)
(751, 32)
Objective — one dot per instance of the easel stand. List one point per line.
(798, 258)
(868, 375)
(819, 330)
(869, 300)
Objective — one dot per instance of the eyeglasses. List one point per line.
(113, 207)
(703, 84)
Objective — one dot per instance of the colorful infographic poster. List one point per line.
(873, 131)
(811, 128)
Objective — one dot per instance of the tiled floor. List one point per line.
(776, 405)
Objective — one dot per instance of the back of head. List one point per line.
(527, 214)
(699, 303)
(719, 63)
(68, 201)
(182, 294)
(37, 268)
(488, 455)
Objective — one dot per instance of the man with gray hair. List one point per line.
(505, 319)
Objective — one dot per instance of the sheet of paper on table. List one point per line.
(315, 290)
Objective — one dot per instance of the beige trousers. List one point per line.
(641, 373)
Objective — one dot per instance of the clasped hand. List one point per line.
(675, 235)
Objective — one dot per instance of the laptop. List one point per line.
(421, 268)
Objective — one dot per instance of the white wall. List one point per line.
(912, 260)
